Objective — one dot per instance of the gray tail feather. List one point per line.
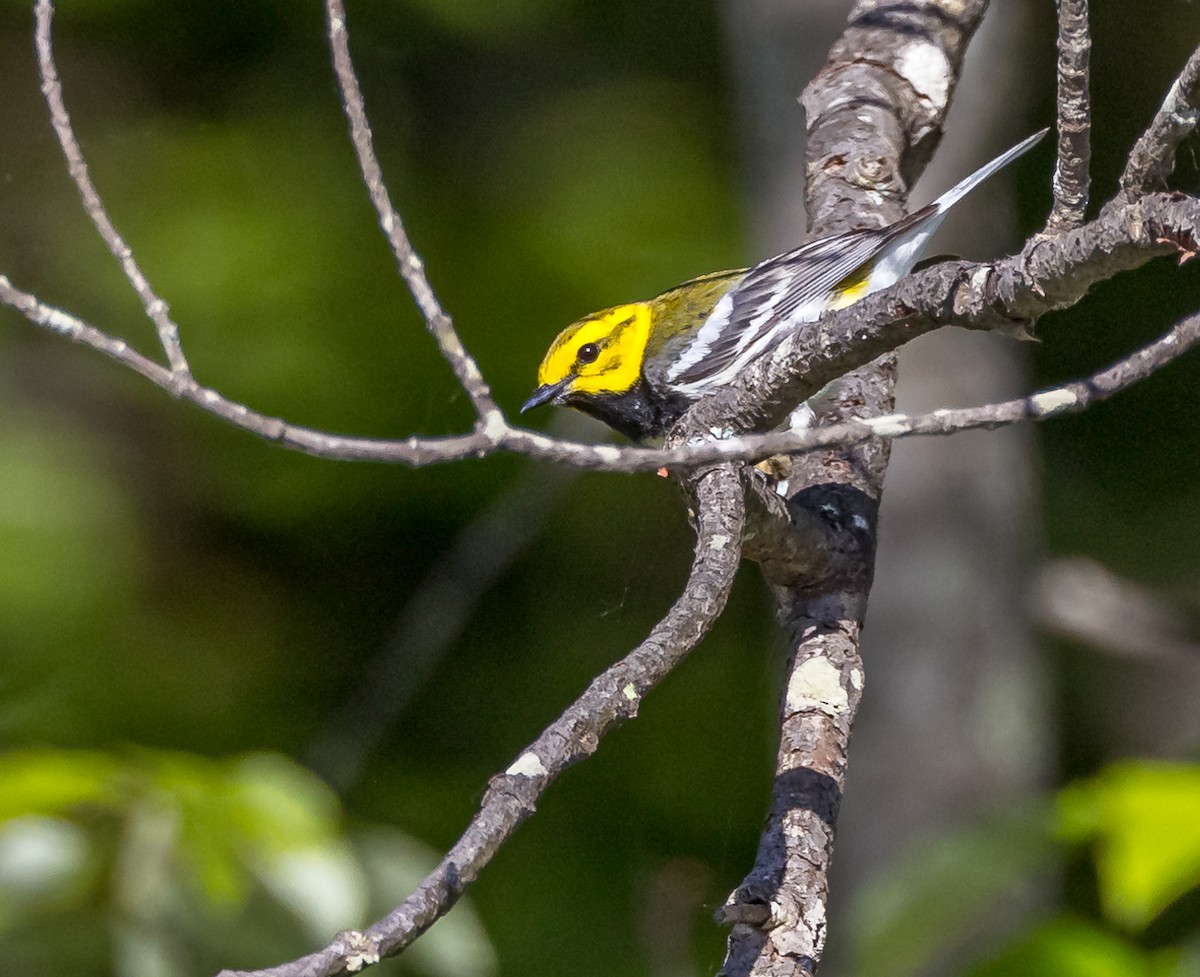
(963, 187)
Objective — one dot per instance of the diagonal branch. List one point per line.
(1004, 296)
(611, 699)
(1153, 157)
(412, 269)
(1071, 179)
(1050, 273)
(60, 121)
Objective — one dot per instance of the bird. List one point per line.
(640, 365)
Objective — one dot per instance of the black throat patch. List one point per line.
(632, 413)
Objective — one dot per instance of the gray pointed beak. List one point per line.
(545, 394)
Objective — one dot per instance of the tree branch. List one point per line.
(611, 699)
(60, 121)
(411, 268)
(1071, 180)
(884, 90)
(778, 912)
(875, 115)
(1153, 157)
(1050, 273)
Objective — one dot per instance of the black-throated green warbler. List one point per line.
(637, 367)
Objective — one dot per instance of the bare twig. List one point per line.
(156, 308)
(612, 698)
(1153, 157)
(411, 268)
(410, 451)
(1071, 177)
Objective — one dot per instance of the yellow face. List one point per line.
(600, 354)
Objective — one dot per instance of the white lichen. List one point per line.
(527, 765)
(1053, 401)
(817, 684)
(888, 424)
(925, 67)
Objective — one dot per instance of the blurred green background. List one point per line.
(247, 696)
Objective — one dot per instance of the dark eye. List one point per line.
(587, 353)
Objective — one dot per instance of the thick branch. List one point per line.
(611, 699)
(1071, 179)
(885, 90)
(1050, 273)
(778, 912)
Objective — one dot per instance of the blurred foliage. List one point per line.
(185, 612)
(180, 853)
(1134, 827)
(1145, 822)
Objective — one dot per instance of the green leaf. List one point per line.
(1145, 821)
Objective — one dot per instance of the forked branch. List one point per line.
(1051, 272)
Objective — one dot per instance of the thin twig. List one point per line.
(410, 451)
(1071, 179)
(411, 268)
(1153, 156)
(611, 699)
(60, 120)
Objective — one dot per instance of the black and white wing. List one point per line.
(779, 294)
